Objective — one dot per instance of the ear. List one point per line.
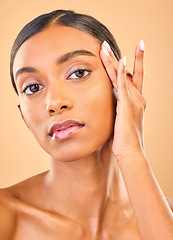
(19, 107)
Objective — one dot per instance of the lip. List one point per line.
(64, 129)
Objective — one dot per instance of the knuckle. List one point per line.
(144, 102)
(124, 84)
(140, 72)
(141, 105)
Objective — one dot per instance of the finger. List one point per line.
(138, 72)
(109, 55)
(138, 113)
(111, 69)
(136, 93)
(123, 94)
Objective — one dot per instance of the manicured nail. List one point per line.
(105, 50)
(124, 60)
(107, 46)
(142, 45)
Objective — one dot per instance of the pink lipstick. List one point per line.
(64, 129)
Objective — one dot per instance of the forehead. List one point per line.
(55, 40)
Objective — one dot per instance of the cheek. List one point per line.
(33, 115)
(101, 106)
(105, 114)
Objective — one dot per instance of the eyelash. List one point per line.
(79, 70)
(69, 77)
(29, 86)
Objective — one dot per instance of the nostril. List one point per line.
(63, 107)
(52, 111)
(57, 108)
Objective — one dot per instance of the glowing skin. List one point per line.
(88, 100)
(65, 81)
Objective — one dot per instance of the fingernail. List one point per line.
(107, 46)
(124, 60)
(142, 45)
(105, 50)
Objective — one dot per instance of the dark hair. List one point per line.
(68, 18)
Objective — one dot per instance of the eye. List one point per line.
(32, 88)
(80, 73)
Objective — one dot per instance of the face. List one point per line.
(66, 98)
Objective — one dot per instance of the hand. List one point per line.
(131, 105)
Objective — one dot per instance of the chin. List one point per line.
(73, 152)
(76, 147)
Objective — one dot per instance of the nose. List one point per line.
(58, 101)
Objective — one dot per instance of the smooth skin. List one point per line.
(100, 184)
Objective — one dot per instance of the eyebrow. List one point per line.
(62, 59)
(73, 54)
(24, 70)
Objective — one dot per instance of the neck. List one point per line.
(83, 189)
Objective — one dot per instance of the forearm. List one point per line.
(153, 215)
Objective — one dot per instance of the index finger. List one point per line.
(109, 62)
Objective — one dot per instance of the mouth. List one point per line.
(64, 129)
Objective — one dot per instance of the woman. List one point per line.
(86, 111)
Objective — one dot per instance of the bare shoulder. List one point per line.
(23, 205)
(170, 202)
(7, 216)
(29, 190)
(15, 198)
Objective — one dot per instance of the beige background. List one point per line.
(129, 21)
